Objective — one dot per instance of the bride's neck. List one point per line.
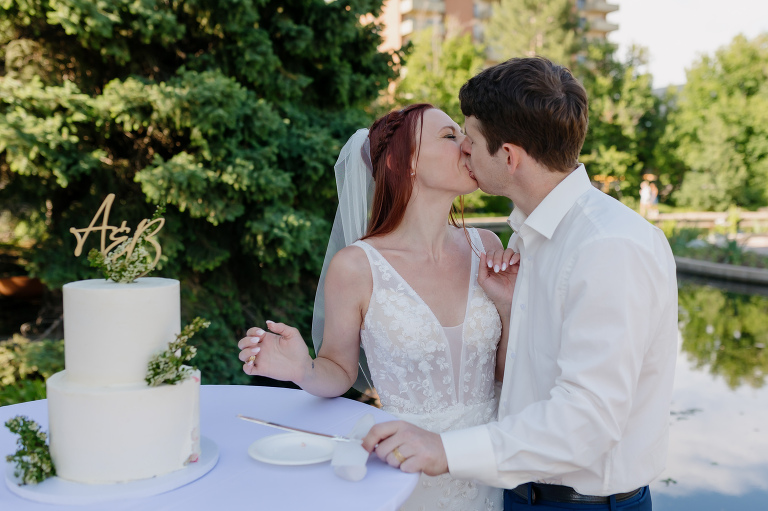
(425, 225)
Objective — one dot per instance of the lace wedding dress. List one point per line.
(438, 378)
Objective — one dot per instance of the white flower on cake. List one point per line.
(33, 458)
(168, 366)
(123, 270)
(131, 259)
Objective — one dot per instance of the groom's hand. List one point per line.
(408, 447)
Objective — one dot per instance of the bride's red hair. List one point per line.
(394, 153)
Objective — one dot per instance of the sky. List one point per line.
(676, 32)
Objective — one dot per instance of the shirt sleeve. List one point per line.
(470, 453)
(610, 294)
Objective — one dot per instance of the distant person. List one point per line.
(645, 198)
(653, 211)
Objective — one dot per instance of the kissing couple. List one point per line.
(540, 374)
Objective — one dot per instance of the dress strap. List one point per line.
(370, 252)
(477, 241)
(379, 265)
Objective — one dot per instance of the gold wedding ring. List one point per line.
(398, 455)
(251, 359)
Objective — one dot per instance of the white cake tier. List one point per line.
(102, 435)
(112, 330)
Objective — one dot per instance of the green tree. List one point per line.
(524, 28)
(626, 120)
(437, 67)
(230, 112)
(720, 127)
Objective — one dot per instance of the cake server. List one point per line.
(296, 430)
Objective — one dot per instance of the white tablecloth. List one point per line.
(240, 482)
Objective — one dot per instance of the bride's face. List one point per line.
(441, 163)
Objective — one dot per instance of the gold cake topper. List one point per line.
(119, 236)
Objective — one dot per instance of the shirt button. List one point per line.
(522, 306)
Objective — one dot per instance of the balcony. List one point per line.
(424, 6)
(597, 6)
(406, 27)
(411, 25)
(600, 25)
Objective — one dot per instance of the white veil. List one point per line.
(354, 185)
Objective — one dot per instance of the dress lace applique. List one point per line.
(437, 378)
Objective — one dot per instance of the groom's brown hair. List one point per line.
(531, 103)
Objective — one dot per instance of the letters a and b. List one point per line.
(118, 235)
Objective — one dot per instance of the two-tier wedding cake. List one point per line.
(106, 424)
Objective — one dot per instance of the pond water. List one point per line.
(718, 451)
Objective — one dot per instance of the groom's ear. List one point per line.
(513, 156)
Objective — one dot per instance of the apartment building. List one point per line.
(403, 17)
(592, 14)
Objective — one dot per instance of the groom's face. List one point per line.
(490, 171)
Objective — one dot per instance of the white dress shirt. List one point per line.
(591, 356)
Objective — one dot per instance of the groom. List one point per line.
(584, 408)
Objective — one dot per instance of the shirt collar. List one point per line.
(548, 214)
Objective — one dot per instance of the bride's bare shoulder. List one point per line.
(350, 265)
(351, 257)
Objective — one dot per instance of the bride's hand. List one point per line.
(280, 354)
(497, 276)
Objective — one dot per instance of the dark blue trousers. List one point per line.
(639, 502)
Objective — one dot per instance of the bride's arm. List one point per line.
(282, 354)
(348, 287)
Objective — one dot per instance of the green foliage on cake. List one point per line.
(168, 367)
(128, 261)
(33, 459)
(123, 271)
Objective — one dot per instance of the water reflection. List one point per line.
(725, 333)
(718, 452)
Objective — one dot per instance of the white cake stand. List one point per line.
(59, 491)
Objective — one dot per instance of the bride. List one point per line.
(412, 290)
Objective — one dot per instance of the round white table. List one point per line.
(240, 482)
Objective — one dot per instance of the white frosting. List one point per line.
(112, 330)
(106, 424)
(101, 435)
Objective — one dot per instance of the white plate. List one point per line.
(292, 449)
